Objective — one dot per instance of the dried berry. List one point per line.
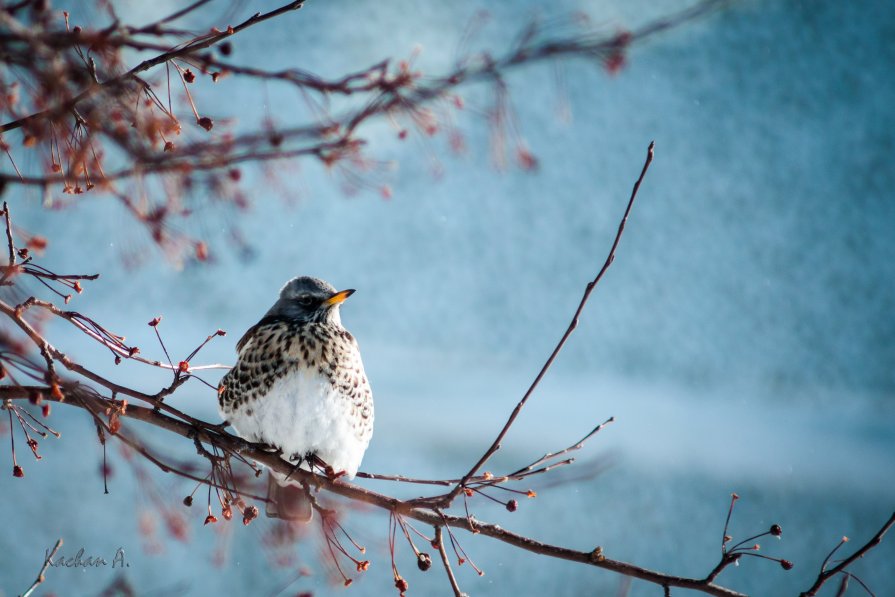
(401, 584)
(210, 519)
(512, 505)
(776, 530)
(188, 501)
(201, 251)
(37, 243)
(786, 564)
(206, 123)
(188, 76)
(249, 514)
(423, 561)
(17, 471)
(155, 321)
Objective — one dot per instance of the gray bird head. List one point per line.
(310, 299)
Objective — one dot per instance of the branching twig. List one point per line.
(210, 433)
(826, 575)
(495, 446)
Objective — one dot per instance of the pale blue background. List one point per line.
(744, 339)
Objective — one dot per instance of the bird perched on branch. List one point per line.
(299, 386)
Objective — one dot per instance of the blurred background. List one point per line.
(744, 339)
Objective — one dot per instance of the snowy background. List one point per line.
(744, 339)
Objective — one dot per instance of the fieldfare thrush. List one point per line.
(299, 386)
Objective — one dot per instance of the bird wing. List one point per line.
(274, 347)
(260, 363)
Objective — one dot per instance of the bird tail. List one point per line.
(288, 502)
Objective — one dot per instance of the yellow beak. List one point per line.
(339, 297)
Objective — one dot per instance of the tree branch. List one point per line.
(40, 575)
(826, 575)
(209, 433)
(495, 446)
(198, 44)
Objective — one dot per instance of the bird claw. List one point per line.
(333, 475)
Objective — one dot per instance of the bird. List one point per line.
(299, 386)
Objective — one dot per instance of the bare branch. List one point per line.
(495, 446)
(212, 434)
(826, 575)
(199, 44)
(40, 575)
(439, 541)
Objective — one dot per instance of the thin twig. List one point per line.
(495, 446)
(40, 575)
(826, 575)
(199, 44)
(9, 240)
(439, 540)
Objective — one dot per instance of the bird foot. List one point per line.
(333, 475)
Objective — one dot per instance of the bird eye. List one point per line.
(305, 300)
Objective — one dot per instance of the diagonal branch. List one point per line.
(826, 575)
(40, 575)
(212, 434)
(495, 446)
